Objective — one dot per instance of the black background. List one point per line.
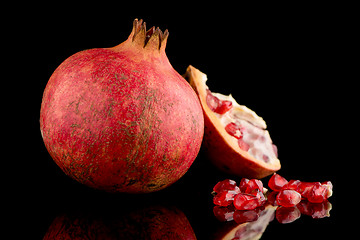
(285, 63)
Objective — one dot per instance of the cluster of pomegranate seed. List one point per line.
(290, 193)
(247, 196)
(244, 203)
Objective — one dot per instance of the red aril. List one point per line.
(244, 201)
(226, 185)
(329, 188)
(249, 186)
(292, 185)
(304, 188)
(122, 119)
(235, 138)
(224, 198)
(276, 182)
(217, 105)
(288, 198)
(318, 193)
(234, 130)
(244, 183)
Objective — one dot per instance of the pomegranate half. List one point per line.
(122, 119)
(235, 138)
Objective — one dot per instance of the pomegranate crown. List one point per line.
(153, 38)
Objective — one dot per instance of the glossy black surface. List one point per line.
(280, 64)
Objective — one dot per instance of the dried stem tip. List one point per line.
(152, 38)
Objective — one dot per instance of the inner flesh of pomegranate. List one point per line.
(246, 128)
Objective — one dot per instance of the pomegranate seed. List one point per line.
(260, 196)
(217, 105)
(287, 214)
(291, 185)
(276, 182)
(243, 185)
(304, 188)
(254, 184)
(329, 188)
(318, 193)
(244, 201)
(224, 107)
(288, 198)
(224, 198)
(234, 130)
(226, 184)
(243, 145)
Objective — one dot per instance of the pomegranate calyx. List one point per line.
(153, 38)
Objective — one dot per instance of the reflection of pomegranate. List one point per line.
(235, 139)
(122, 119)
(156, 222)
(248, 230)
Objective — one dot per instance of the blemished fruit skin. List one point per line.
(122, 119)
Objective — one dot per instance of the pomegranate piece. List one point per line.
(304, 188)
(248, 186)
(244, 184)
(291, 185)
(226, 184)
(329, 188)
(234, 130)
(224, 198)
(287, 214)
(244, 201)
(217, 105)
(276, 182)
(236, 142)
(288, 198)
(318, 193)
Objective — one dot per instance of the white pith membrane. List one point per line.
(254, 131)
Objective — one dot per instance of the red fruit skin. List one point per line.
(113, 121)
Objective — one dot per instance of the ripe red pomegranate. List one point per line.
(122, 119)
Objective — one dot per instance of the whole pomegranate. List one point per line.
(122, 119)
